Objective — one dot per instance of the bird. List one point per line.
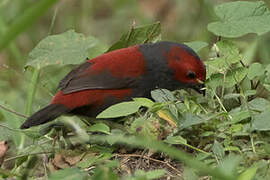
(121, 75)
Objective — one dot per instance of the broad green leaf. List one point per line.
(190, 119)
(120, 110)
(218, 149)
(62, 49)
(68, 174)
(261, 121)
(144, 102)
(196, 45)
(139, 35)
(259, 104)
(255, 70)
(162, 95)
(248, 174)
(239, 115)
(99, 127)
(240, 18)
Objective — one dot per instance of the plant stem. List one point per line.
(25, 20)
(31, 91)
(30, 97)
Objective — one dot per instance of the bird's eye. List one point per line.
(191, 75)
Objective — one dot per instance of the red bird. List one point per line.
(119, 76)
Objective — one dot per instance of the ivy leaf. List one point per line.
(240, 18)
(139, 35)
(62, 49)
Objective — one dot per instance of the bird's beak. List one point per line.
(200, 88)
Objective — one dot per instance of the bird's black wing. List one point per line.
(80, 79)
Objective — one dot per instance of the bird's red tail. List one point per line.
(45, 115)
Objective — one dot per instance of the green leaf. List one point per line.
(62, 49)
(229, 54)
(162, 95)
(139, 35)
(233, 148)
(261, 121)
(218, 150)
(190, 119)
(68, 174)
(196, 45)
(120, 110)
(240, 18)
(228, 166)
(239, 115)
(248, 174)
(176, 140)
(91, 159)
(100, 127)
(144, 102)
(233, 77)
(259, 104)
(255, 70)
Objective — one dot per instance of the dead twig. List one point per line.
(151, 159)
(12, 111)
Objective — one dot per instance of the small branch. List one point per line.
(149, 158)
(19, 156)
(257, 84)
(12, 111)
(11, 129)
